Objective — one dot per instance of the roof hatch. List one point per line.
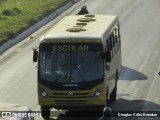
(76, 29)
(81, 23)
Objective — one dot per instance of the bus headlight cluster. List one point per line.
(43, 93)
(97, 93)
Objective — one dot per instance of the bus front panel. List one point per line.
(71, 75)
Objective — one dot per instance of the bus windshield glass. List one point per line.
(71, 66)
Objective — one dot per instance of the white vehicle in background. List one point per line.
(10, 111)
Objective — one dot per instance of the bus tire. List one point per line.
(113, 95)
(107, 102)
(45, 111)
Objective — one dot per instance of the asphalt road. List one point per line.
(138, 86)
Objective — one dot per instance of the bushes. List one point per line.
(11, 12)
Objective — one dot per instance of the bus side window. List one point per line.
(115, 40)
(109, 48)
(118, 37)
(112, 44)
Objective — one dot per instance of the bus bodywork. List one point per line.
(79, 62)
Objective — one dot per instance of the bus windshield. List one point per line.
(71, 67)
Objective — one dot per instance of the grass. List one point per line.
(18, 15)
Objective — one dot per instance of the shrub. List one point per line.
(6, 12)
(11, 12)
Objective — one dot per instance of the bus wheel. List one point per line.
(106, 104)
(45, 111)
(113, 95)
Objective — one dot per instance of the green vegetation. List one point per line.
(18, 15)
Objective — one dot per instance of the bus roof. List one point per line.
(80, 28)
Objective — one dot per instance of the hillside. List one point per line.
(18, 15)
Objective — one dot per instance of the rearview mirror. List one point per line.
(108, 56)
(35, 55)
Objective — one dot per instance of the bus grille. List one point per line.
(71, 99)
(70, 102)
(75, 95)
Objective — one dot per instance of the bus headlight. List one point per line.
(97, 93)
(43, 93)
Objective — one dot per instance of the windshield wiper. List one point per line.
(81, 74)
